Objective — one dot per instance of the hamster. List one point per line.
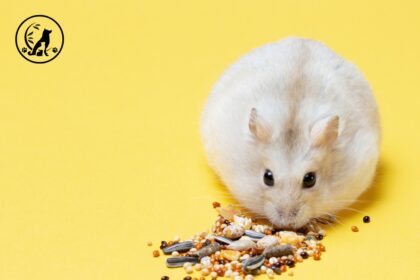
(292, 129)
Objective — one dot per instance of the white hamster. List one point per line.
(292, 129)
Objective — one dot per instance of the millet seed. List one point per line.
(216, 204)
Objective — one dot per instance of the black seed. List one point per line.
(163, 244)
(304, 255)
(290, 263)
(164, 278)
(366, 219)
(319, 236)
(226, 221)
(275, 266)
(187, 278)
(277, 270)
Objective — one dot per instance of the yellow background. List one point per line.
(100, 151)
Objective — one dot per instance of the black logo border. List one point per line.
(16, 39)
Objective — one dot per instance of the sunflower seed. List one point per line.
(254, 262)
(179, 247)
(278, 251)
(253, 234)
(180, 261)
(222, 239)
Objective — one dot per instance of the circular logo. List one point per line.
(39, 39)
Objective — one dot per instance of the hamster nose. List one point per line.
(294, 212)
(291, 213)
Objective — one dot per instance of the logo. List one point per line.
(39, 39)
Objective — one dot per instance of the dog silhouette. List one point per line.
(45, 38)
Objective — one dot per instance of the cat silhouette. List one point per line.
(45, 38)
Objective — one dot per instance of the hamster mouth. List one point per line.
(284, 223)
(285, 218)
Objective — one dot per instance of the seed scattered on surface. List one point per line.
(163, 244)
(278, 251)
(366, 219)
(304, 255)
(223, 240)
(233, 231)
(290, 263)
(267, 241)
(230, 255)
(179, 247)
(254, 262)
(205, 272)
(254, 234)
(180, 261)
(188, 269)
(242, 245)
(207, 250)
(216, 204)
(187, 264)
(156, 253)
(149, 243)
(164, 278)
(239, 248)
(354, 229)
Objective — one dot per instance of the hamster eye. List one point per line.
(268, 178)
(309, 180)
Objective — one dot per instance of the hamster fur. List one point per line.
(292, 107)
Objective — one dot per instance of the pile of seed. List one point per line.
(239, 248)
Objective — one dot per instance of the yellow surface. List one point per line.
(100, 151)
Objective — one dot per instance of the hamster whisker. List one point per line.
(349, 200)
(331, 226)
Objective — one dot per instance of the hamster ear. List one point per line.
(258, 126)
(325, 131)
